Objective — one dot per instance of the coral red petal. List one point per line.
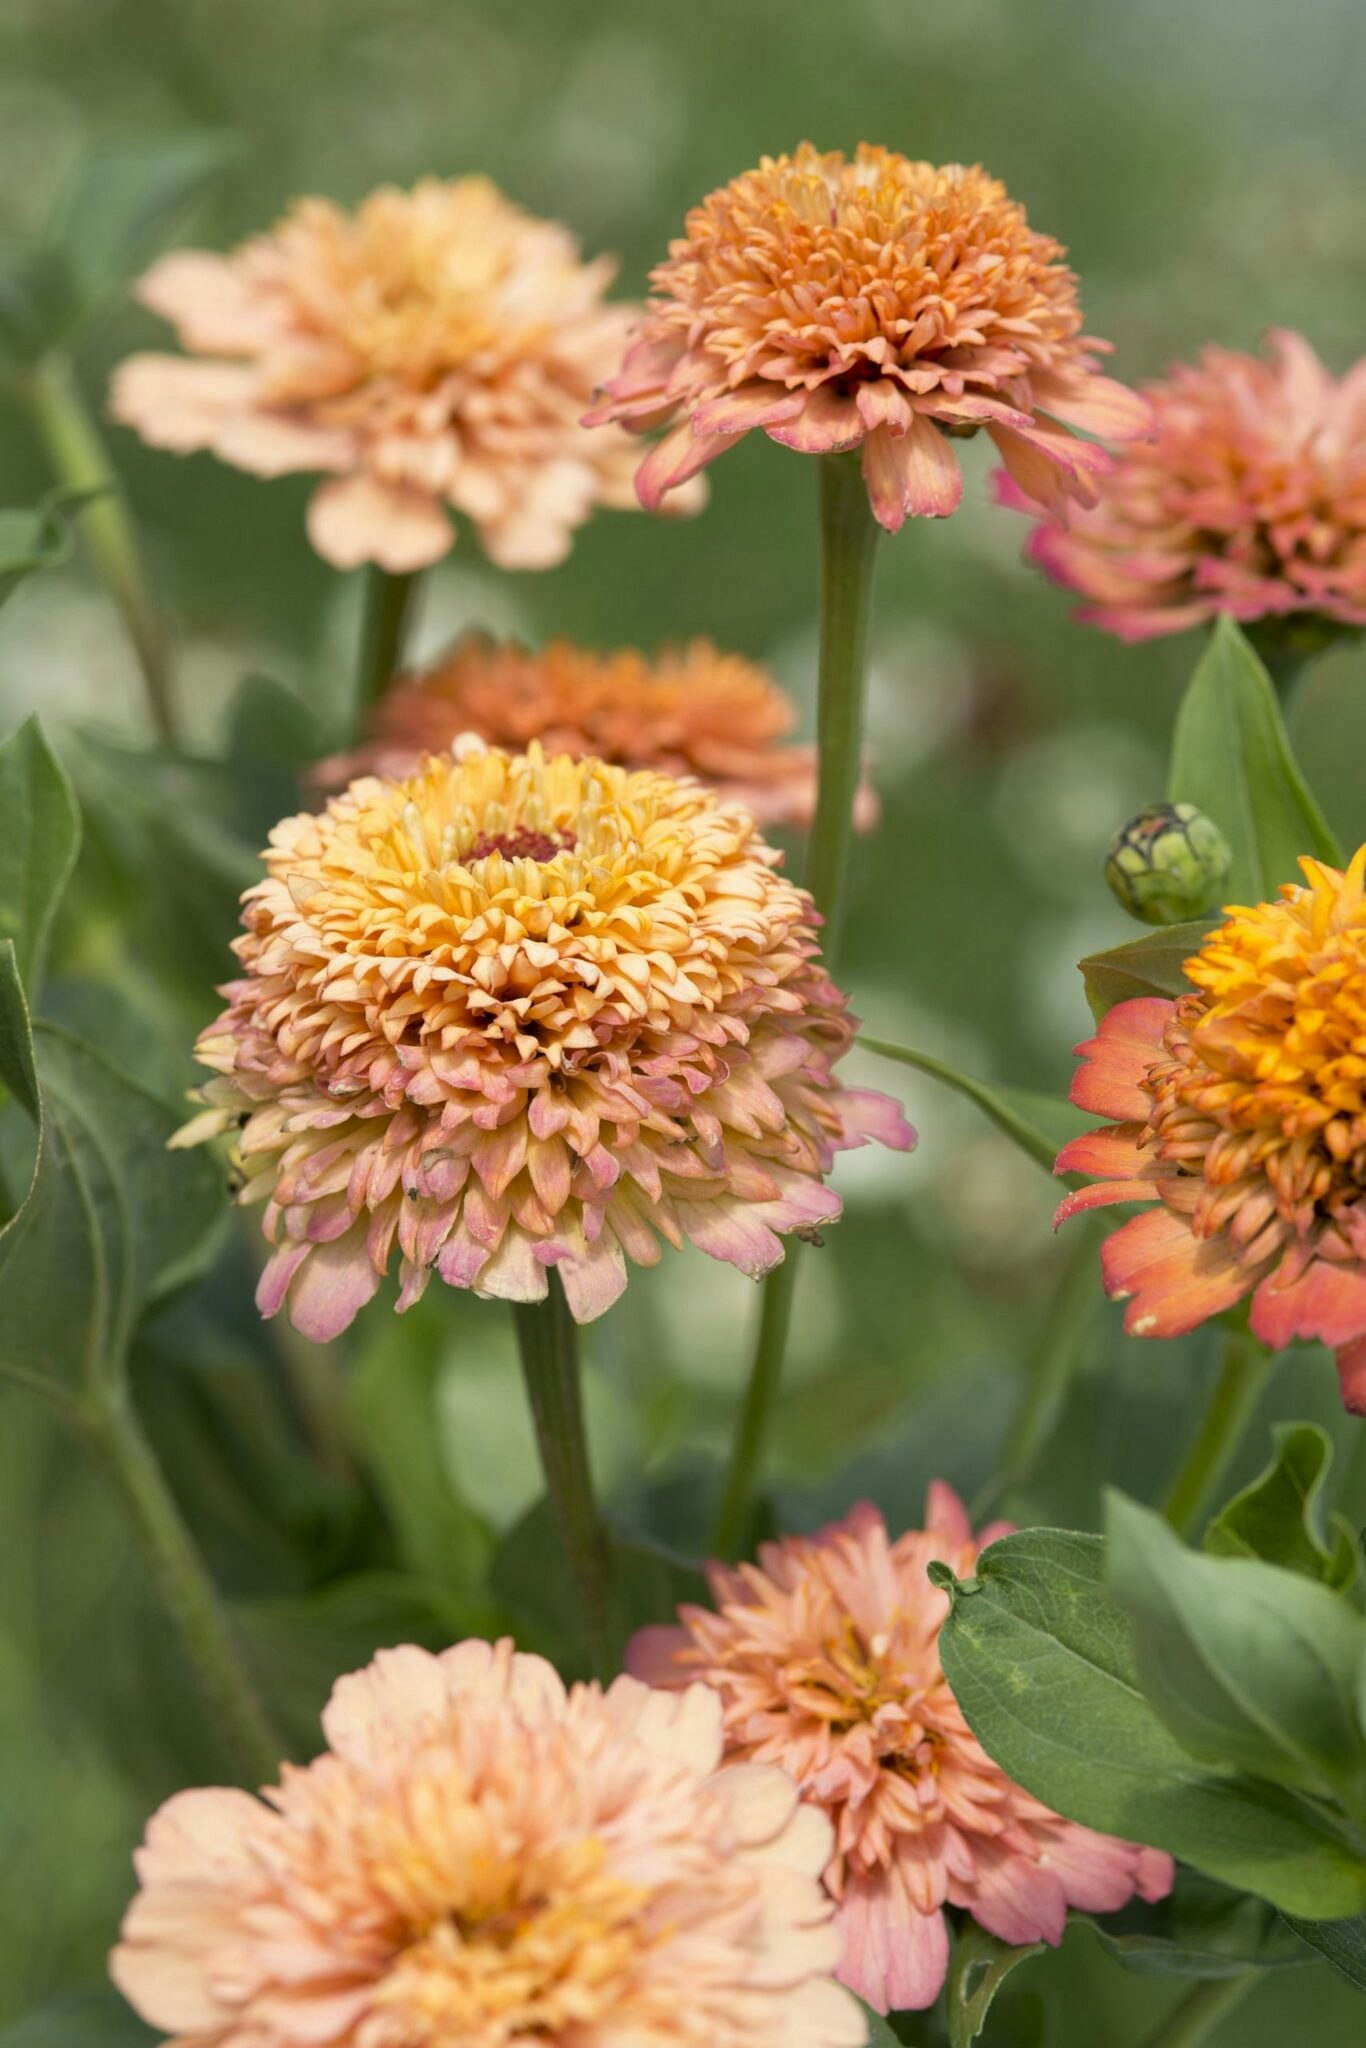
(1117, 1059)
(1173, 1280)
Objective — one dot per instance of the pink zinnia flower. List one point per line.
(1250, 501)
(434, 349)
(513, 1013)
(1241, 1121)
(825, 1656)
(875, 303)
(480, 1857)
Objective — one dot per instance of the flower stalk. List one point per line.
(81, 462)
(1243, 1374)
(775, 1319)
(389, 604)
(547, 1338)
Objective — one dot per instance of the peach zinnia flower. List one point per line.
(691, 711)
(1251, 501)
(1242, 1117)
(480, 1857)
(437, 347)
(870, 302)
(826, 1658)
(513, 1013)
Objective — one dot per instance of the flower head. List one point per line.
(480, 1856)
(1242, 1119)
(437, 347)
(870, 302)
(1251, 501)
(512, 1013)
(826, 1658)
(691, 711)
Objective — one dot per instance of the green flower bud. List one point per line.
(1168, 864)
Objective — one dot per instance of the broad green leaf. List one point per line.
(1247, 1664)
(979, 1967)
(38, 539)
(39, 841)
(1276, 1518)
(1041, 1660)
(880, 2034)
(1039, 1124)
(112, 1222)
(1230, 755)
(1343, 1942)
(1201, 1929)
(1151, 966)
(93, 2019)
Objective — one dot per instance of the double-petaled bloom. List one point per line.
(514, 1013)
(481, 1857)
(825, 1656)
(1240, 1121)
(690, 711)
(1251, 500)
(433, 350)
(876, 303)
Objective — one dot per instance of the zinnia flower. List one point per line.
(877, 303)
(1241, 1115)
(480, 1857)
(826, 1658)
(435, 348)
(691, 711)
(1250, 501)
(513, 1013)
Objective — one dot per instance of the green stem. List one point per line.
(388, 612)
(775, 1317)
(1201, 2010)
(81, 462)
(182, 1580)
(849, 535)
(1243, 1373)
(547, 1338)
(1053, 1359)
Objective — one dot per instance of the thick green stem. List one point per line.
(849, 535)
(547, 1337)
(389, 602)
(775, 1317)
(1243, 1373)
(187, 1592)
(81, 462)
(1201, 2010)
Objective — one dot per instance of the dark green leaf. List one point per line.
(1230, 755)
(38, 844)
(1201, 1929)
(1039, 1124)
(1151, 966)
(92, 2019)
(126, 202)
(880, 2034)
(1041, 1660)
(979, 1966)
(38, 539)
(1247, 1664)
(1343, 1942)
(1275, 1518)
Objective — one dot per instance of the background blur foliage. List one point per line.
(1204, 166)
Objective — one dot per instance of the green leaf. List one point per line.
(1230, 755)
(1039, 1124)
(1201, 1929)
(1343, 1942)
(1247, 1664)
(979, 1967)
(93, 2019)
(1151, 966)
(1041, 1660)
(1275, 1517)
(880, 2034)
(112, 1222)
(38, 845)
(38, 539)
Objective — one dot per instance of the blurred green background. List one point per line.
(1204, 166)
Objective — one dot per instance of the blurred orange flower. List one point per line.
(876, 303)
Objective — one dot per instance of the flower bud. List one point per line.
(1168, 864)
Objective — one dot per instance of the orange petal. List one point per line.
(1117, 1059)
(1177, 1280)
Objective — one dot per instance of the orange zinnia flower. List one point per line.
(512, 1013)
(436, 348)
(825, 1656)
(1242, 1116)
(1251, 501)
(691, 711)
(481, 1857)
(870, 302)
